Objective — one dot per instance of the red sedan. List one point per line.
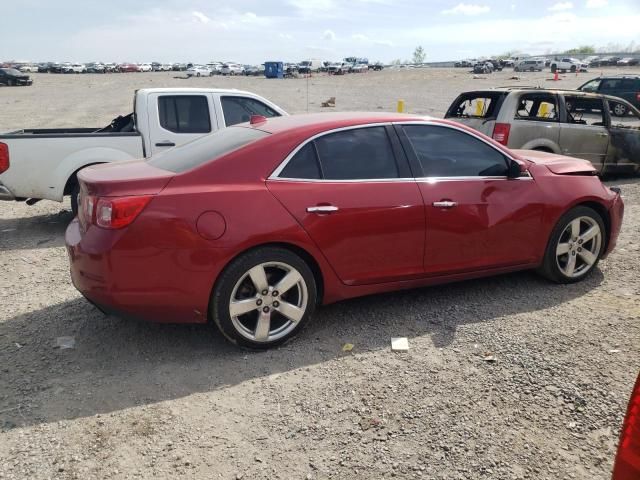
(253, 226)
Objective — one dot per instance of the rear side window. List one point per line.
(357, 154)
(303, 165)
(205, 149)
(447, 152)
(537, 107)
(184, 113)
(477, 105)
(239, 109)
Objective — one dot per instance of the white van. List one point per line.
(309, 66)
(529, 65)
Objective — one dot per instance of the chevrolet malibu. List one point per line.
(252, 227)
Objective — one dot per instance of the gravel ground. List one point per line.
(136, 400)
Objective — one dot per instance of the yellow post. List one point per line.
(400, 106)
(479, 108)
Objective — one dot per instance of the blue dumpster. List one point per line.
(274, 69)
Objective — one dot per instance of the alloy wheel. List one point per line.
(619, 109)
(578, 247)
(268, 302)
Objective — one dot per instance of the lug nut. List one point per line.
(265, 309)
(580, 241)
(259, 302)
(573, 253)
(265, 292)
(579, 249)
(276, 304)
(275, 293)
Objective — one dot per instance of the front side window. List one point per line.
(447, 152)
(591, 86)
(239, 109)
(184, 113)
(538, 107)
(584, 110)
(357, 154)
(611, 84)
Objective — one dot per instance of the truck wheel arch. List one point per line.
(71, 187)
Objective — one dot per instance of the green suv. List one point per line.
(626, 87)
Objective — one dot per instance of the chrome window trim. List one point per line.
(275, 174)
(283, 164)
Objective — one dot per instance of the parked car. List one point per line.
(110, 67)
(43, 163)
(128, 67)
(568, 65)
(627, 463)
(145, 67)
(95, 68)
(376, 67)
(28, 68)
(74, 68)
(529, 65)
(606, 61)
(628, 62)
(198, 71)
(12, 77)
(179, 67)
(359, 68)
(215, 67)
(347, 196)
(567, 122)
(231, 69)
(338, 68)
(156, 67)
(55, 67)
(483, 67)
(253, 70)
(44, 67)
(622, 86)
(310, 66)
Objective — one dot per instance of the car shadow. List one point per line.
(39, 231)
(116, 364)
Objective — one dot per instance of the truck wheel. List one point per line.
(573, 69)
(75, 194)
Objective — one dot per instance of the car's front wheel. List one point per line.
(575, 246)
(264, 297)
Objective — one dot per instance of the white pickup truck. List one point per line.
(42, 163)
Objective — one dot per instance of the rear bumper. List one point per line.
(144, 283)
(616, 214)
(5, 193)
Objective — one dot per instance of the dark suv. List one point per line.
(622, 86)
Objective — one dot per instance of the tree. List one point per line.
(582, 49)
(419, 55)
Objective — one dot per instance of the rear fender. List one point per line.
(78, 160)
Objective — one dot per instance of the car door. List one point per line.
(623, 155)
(239, 109)
(476, 217)
(353, 193)
(583, 130)
(177, 118)
(535, 123)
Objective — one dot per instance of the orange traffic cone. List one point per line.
(555, 76)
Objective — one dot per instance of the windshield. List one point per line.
(10, 71)
(205, 149)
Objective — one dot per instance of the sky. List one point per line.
(253, 31)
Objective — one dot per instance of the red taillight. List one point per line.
(627, 464)
(501, 133)
(118, 212)
(638, 96)
(4, 157)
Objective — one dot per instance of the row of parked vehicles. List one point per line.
(531, 64)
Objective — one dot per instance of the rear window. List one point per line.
(205, 149)
(476, 105)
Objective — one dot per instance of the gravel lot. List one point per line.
(136, 400)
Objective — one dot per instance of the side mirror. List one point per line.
(514, 170)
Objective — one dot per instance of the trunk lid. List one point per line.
(134, 177)
(558, 164)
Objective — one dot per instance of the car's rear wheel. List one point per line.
(264, 297)
(619, 110)
(573, 69)
(575, 246)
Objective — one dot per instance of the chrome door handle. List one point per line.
(603, 134)
(445, 204)
(322, 209)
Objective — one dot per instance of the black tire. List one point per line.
(233, 276)
(75, 194)
(550, 265)
(619, 110)
(573, 69)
